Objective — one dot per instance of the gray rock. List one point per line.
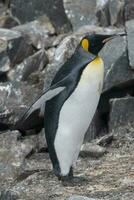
(62, 54)
(37, 31)
(130, 41)
(31, 64)
(121, 114)
(14, 47)
(29, 10)
(102, 12)
(92, 150)
(15, 99)
(116, 12)
(12, 155)
(7, 21)
(7, 195)
(105, 140)
(80, 12)
(119, 73)
(117, 70)
(75, 197)
(129, 10)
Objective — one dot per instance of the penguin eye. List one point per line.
(85, 44)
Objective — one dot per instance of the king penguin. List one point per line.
(66, 109)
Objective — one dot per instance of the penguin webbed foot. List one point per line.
(68, 178)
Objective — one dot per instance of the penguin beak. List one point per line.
(110, 37)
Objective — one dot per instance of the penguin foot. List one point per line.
(67, 178)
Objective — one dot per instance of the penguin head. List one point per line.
(94, 43)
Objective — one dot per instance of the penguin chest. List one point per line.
(76, 115)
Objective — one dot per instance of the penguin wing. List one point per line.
(33, 117)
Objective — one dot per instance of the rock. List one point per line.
(66, 49)
(102, 12)
(117, 70)
(28, 11)
(92, 150)
(37, 31)
(4, 59)
(121, 114)
(62, 54)
(105, 140)
(15, 46)
(119, 73)
(80, 12)
(12, 155)
(7, 195)
(7, 21)
(116, 12)
(75, 197)
(130, 41)
(31, 64)
(15, 99)
(129, 10)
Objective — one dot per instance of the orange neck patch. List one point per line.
(85, 44)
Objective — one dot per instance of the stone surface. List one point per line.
(15, 99)
(129, 10)
(96, 178)
(121, 114)
(12, 155)
(15, 47)
(37, 31)
(31, 64)
(29, 10)
(80, 12)
(92, 150)
(61, 56)
(102, 12)
(130, 41)
(116, 12)
(75, 197)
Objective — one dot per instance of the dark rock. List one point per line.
(7, 21)
(28, 11)
(129, 10)
(31, 64)
(37, 32)
(7, 195)
(92, 150)
(80, 12)
(15, 46)
(130, 41)
(102, 12)
(121, 114)
(105, 140)
(15, 99)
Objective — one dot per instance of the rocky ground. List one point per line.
(35, 40)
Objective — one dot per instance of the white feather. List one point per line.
(76, 115)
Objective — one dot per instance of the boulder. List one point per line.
(12, 155)
(116, 12)
(102, 12)
(77, 197)
(121, 114)
(37, 32)
(14, 47)
(129, 10)
(27, 11)
(33, 63)
(130, 41)
(80, 12)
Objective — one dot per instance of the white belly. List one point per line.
(76, 115)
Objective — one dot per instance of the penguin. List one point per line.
(66, 109)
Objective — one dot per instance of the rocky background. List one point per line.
(36, 38)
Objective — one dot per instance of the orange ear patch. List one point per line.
(85, 44)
